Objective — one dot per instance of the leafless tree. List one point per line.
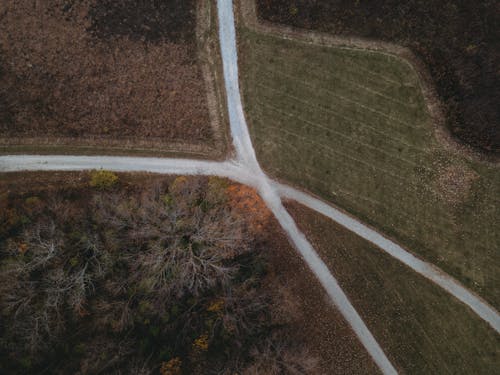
(275, 356)
(43, 282)
(186, 247)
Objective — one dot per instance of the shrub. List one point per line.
(172, 367)
(103, 179)
(276, 355)
(201, 343)
(33, 205)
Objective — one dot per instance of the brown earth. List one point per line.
(99, 69)
(458, 41)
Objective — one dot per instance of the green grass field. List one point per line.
(421, 328)
(352, 127)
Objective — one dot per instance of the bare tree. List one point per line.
(274, 356)
(184, 248)
(46, 279)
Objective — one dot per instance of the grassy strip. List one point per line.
(352, 126)
(421, 328)
(97, 151)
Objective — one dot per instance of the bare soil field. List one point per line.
(122, 74)
(288, 322)
(458, 41)
(420, 327)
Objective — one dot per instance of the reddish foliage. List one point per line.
(247, 202)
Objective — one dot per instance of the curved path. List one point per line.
(246, 169)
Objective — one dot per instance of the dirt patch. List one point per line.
(457, 42)
(101, 69)
(453, 183)
(152, 21)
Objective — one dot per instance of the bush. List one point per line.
(103, 179)
(172, 367)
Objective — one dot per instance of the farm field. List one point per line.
(458, 41)
(421, 328)
(111, 77)
(351, 126)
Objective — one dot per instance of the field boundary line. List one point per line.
(209, 71)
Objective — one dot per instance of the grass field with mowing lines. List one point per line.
(352, 127)
(421, 328)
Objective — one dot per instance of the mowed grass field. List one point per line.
(421, 328)
(352, 127)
